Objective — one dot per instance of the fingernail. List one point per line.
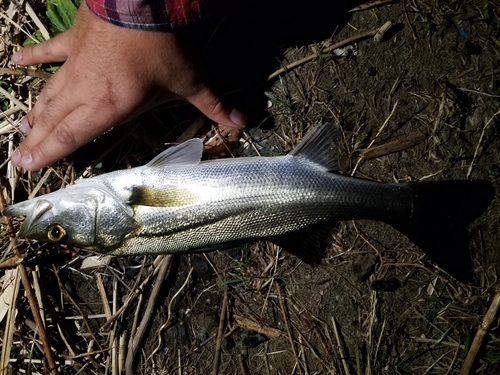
(24, 125)
(17, 57)
(16, 157)
(21, 160)
(238, 118)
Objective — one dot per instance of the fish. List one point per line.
(178, 203)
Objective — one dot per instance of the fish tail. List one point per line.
(441, 212)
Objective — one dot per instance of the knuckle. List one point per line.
(39, 154)
(31, 117)
(214, 105)
(65, 134)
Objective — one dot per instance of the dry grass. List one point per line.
(257, 310)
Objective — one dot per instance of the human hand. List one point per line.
(110, 74)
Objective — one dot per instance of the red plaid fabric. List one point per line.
(150, 14)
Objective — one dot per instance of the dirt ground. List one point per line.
(376, 304)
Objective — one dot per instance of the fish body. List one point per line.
(177, 203)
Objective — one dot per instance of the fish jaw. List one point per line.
(40, 211)
(34, 210)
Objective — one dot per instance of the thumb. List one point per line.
(215, 109)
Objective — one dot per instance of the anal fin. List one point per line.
(307, 244)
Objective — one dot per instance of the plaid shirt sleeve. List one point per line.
(151, 14)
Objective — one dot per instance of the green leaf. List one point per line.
(61, 14)
(53, 69)
(37, 35)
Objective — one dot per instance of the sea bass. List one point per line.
(177, 203)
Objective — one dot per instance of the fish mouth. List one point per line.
(35, 211)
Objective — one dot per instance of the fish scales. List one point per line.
(253, 198)
(176, 204)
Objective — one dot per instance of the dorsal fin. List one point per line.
(322, 146)
(187, 153)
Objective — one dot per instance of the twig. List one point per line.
(243, 365)
(122, 351)
(480, 334)
(429, 369)
(76, 306)
(306, 344)
(137, 291)
(409, 22)
(287, 325)
(169, 313)
(19, 27)
(478, 92)
(469, 171)
(252, 325)
(340, 347)
(343, 43)
(220, 331)
(371, 4)
(376, 136)
(391, 147)
(141, 330)
(38, 319)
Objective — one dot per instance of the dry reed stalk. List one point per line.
(38, 320)
(488, 319)
(220, 331)
(9, 325)
(136, 337)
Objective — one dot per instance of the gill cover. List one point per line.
(85, 215)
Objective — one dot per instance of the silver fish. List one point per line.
(177, 203)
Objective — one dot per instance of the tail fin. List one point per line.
(440, 215)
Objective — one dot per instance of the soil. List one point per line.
(375, 304)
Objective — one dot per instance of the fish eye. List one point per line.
(56, 233)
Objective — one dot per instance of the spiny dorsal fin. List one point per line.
(187, 153)
(321, 145)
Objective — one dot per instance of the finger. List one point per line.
(212, 106)
(52, 101)
(40, 149)
(52, 50)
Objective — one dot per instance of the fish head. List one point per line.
(83, 215)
